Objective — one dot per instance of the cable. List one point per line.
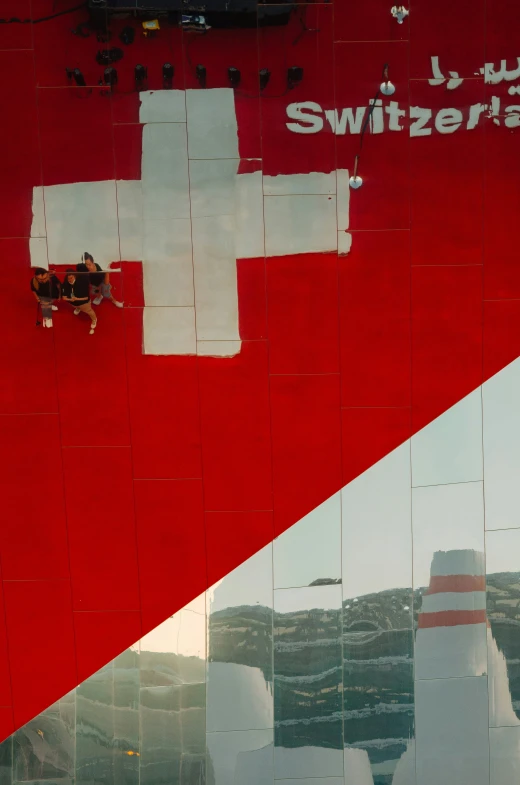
(15, 20)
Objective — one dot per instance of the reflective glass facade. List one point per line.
(376, 641)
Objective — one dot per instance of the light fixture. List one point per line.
(110, 77)
(386, 87)
(294, 76)
(167, 75)
(140, 75)
(264, 76)
(355, 181)
(234, 76)
(78, 78)
(200, 71)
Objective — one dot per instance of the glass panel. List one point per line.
(242, 757)
(173, 734)
(504, 749)
(452, 731)
(175, 651)
(44, 748)
(503, 592)
(240, 618)
(6, 761)
(377, 619)
(126, 718)
(309, 553)
(449, 583)
(95, 728)
(449, 449)
(308, 682)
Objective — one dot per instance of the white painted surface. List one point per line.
(162, 106)
(249, 207)
(212, 123)
(130, 219)
(82, 217)
(167, 262)
(300, 224)
(212, 187)
(38, 211)
(38, 251)
(449, 449)
(342, 199)
(344, 243)
(313, 183)
(500, 398)
(169, 331)
(164, 171)
(218, 348)
(214, 264)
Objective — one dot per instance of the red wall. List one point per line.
(131, 482)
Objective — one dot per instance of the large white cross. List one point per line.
(188, 220)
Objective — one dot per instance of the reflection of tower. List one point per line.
(450, 643)
(454, 640)
(451, 634)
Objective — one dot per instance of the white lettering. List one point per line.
(513, 116)
(474, 115)
(502, 75)
(394, 116)
(376, 117)
(439, 78)
(305, 112)
(448, 120)
(421, 117)
(494, 111)
(347, 119)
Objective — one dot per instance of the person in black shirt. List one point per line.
(99, 280)
(75, 290)
(46, 287)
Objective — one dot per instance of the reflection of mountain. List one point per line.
(308, 678)
(503, 608)
(242, 635)
(378, 677)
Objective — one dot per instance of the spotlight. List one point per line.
(355, 181)
(201, 75)
(78, 78)
(141, 75)
(234, 76)
(167, 75)
(387, 88)
(110, 77)
(264, 76)
(294, 76)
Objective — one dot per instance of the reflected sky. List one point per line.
(445, 518)
(311, 549)
(377, 535)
